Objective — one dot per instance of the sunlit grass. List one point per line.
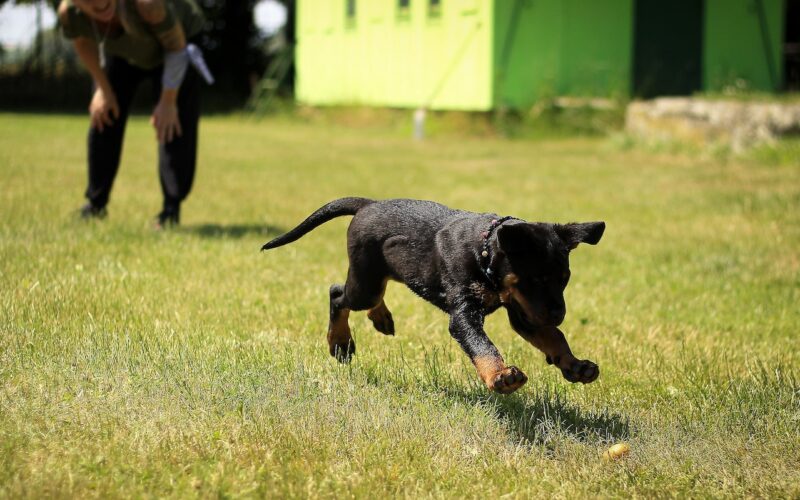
(137, 363)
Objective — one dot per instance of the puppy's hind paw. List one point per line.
(581, 370)
(508, 380)
(382, 319)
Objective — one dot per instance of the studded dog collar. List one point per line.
(485, 252)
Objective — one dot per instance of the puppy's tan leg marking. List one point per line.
(497, 376)
(340, 341)
(551, 341)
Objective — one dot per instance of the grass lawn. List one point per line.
(135, 363)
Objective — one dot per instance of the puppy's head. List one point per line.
(537, 271)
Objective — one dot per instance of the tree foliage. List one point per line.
(229, 43)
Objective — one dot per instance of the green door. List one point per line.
(791, 47)
(668, 47)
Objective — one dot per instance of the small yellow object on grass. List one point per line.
(617, 451)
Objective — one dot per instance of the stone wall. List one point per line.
(705, 122)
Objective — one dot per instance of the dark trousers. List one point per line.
(176, 159)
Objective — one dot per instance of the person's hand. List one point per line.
(166, 122)
(103, 109)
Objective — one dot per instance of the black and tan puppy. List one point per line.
(465, 263)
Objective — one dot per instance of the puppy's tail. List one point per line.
(336, 208)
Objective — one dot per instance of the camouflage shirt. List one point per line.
(135, 42)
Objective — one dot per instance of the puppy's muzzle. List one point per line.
(524, 321)
(520, 320)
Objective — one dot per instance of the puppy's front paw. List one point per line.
(581, 370)
(343, 352)
(508, 380)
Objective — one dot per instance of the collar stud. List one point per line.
(487, 271)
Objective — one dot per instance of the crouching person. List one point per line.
(123, 43)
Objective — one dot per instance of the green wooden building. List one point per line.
(485, 54)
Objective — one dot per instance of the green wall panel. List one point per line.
(597, 47)
(735, 45)
(384, 57)
(545, 48)
(527, 51)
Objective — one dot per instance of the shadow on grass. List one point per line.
(541, 417)
(233, 231)
(538, 417)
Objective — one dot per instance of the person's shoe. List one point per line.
(89, 212)
(167, 219)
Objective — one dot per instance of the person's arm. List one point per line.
(104, 108)
(89, 54)
(171, 36)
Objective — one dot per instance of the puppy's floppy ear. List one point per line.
(514, 238)
(583, 232)
(522, 237)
